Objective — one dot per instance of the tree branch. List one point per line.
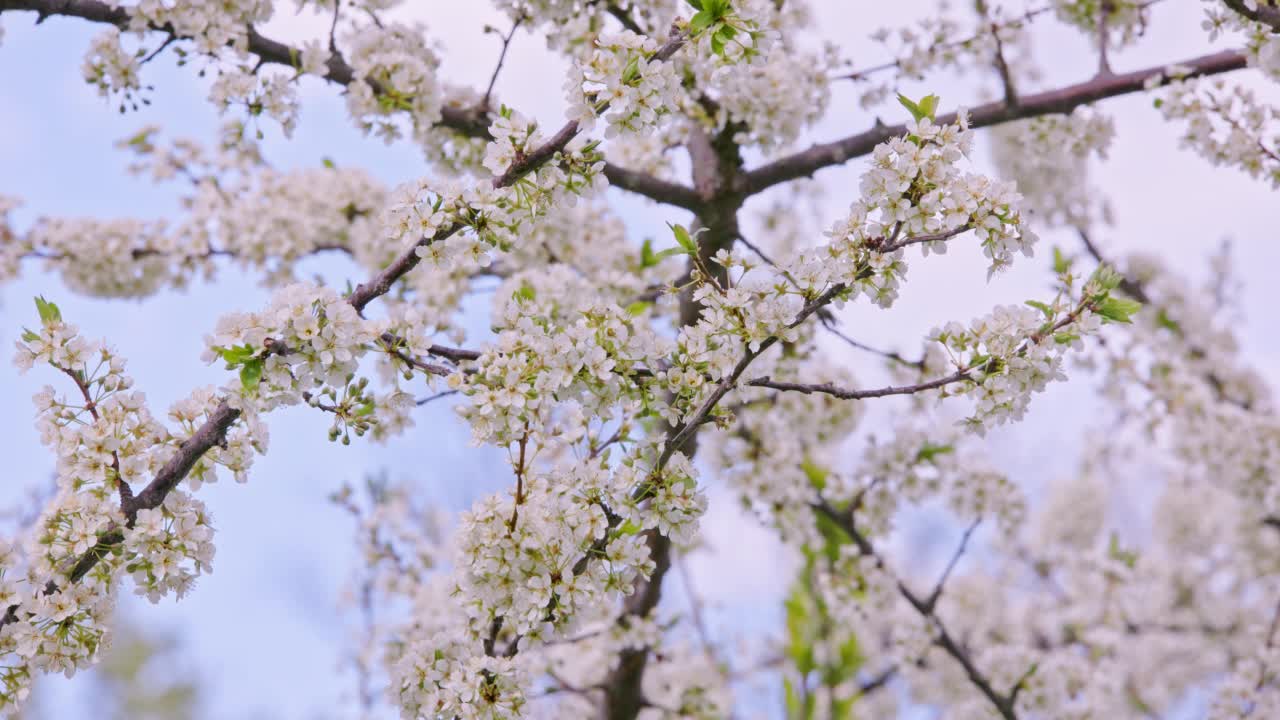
(1003, 703)
(470, 122)
(1061, 100)
(936, 595)
(212, 433)
(521, 166)
(502, 58)
(845, 394)
(1265, 14)
(214, 430)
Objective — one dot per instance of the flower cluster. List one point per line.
(58, 589)
(940, 42)
(211, 26)
(622, 78)
(1120, 22)
(1229, 126)
(110, 67)
(396, 70)
(1004, 358)
(164, 539)
(780, 447)
(1261, 41)
(552, 366)
(429, 215)
(915, 193)
(236, 206)
(775, 97)
(926, 45)
(272, 95)
(106, 258)
(1048, 157)
(307, 338)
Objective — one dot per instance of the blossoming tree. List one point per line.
(622, 378)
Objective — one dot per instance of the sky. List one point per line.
(265, 629)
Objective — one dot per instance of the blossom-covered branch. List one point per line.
(471, 122)
(1059, 100)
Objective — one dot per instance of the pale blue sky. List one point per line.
(265, 626)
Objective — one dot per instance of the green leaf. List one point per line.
(930, 451)
(695, 4)
(1065, 338)
(817, 474)
(1061, 263)
(235, 354)
(647, 258)
(798, 630)
(29, 336)
(49, 313)
(701, 21)
(251, 374)
(366, 409)
(717, 44)
(684, 239)
(327, 162)
(1105, 278)
(628, 528)
(631, 72)
(929, 105)
(1042, 307)
(1166, 322)
(850, 659)
(1119, 310)
(1128, 557)
(526, 292)
(794, 708)
(142, 138)
(833, 535)
(638, 307)
(911, 106)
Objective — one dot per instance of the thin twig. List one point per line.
(1003, 703)
(695, 608)
(755, 249)
(333, 27)
(432, 398)
(168, 41)
(891, 355)
(1105, 8)
(502, 57)
(520, 470)
(936, 595)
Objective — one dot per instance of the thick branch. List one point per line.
(1061, 100)
(654, 188)
(715, 160)
(209, 435)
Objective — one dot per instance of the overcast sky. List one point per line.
(264, 627)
